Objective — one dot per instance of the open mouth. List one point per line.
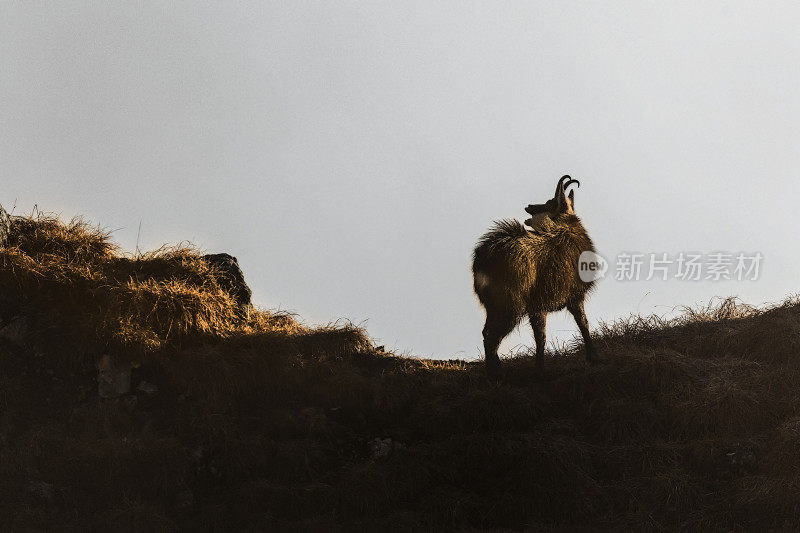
(536, 221)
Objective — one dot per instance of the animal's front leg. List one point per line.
(578, 313)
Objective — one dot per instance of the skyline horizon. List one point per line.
(351, 155)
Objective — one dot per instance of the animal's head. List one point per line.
(559, 204)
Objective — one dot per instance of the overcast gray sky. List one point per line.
(350, 153)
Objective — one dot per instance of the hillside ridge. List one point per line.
(256, 421)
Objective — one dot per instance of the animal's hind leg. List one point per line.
(578, 313)
(539, 326)
(498, 325)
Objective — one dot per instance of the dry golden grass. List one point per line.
(132, 305)
(263, 423)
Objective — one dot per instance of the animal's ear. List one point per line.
(572, 198)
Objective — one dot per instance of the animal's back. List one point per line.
(520, 270)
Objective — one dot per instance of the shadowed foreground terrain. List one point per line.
(259, 422)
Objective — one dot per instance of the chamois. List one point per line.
(517, 271)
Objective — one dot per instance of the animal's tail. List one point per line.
(503, 264)
(504, 238)
(507, 244)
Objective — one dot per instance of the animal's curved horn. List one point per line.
(560, 186)
(570, 182)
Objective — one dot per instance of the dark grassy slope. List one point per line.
(263, 423)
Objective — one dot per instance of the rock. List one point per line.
(17, 331)
(41, 490)
(149, 389)
(380, 448)
(10, 301)
(741, 458)
(231, 278)
(5, 227)
(114, 377)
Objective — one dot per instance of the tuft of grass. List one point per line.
(263, 423)
(70, 277)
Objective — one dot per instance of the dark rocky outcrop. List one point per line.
(9, 302)
(230, 277)
(114, 376)
(5, 227)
